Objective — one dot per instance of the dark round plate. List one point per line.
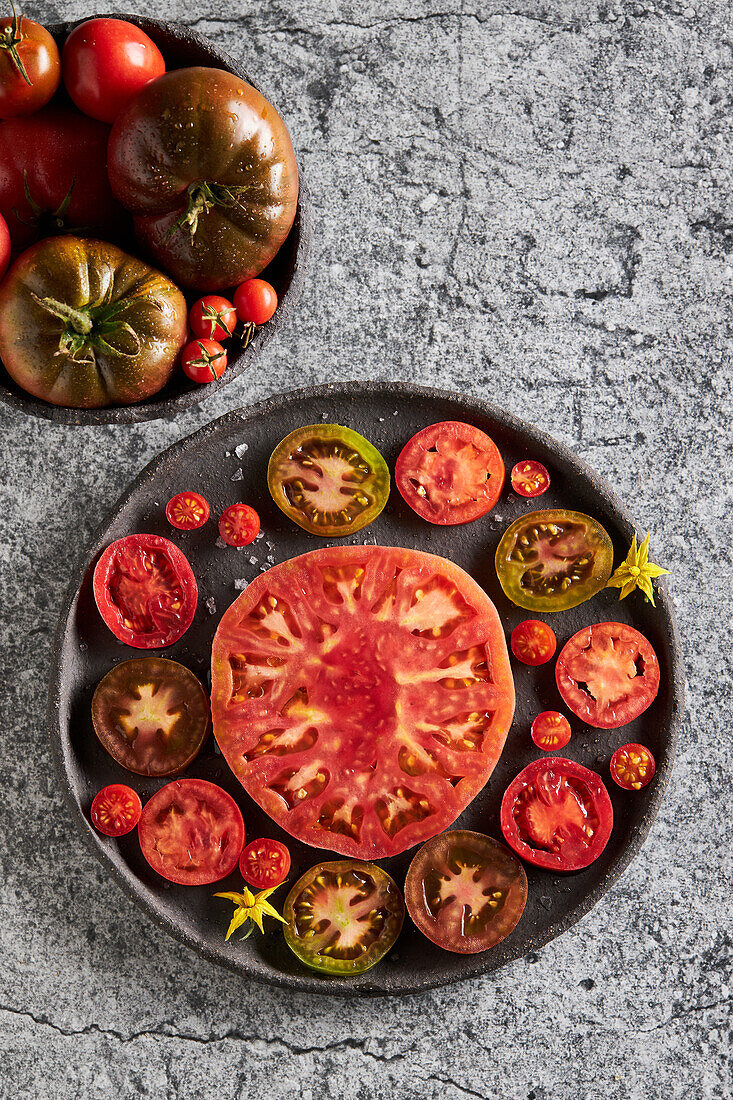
(182, 47)
(208, 461)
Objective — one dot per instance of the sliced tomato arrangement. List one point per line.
(328, 479)
(608, 674)
(191, 832)
(450, 473)
(145, 591)
(151, 715)
(116, 810)
(187, 511)
(551, 731)
(557, 814)
(553, 560)
(533, 642)
(362, 695)
(343, 917)
(530, 478)
(465, 891)
(633, 767)
(239, 525)
(265, 863)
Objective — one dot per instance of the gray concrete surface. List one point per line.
(531, 202)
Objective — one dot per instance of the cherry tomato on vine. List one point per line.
(530, 478)
(213, 318)
(4, 246)
(533, 642)
(255, 301)
(239, 525)
(106, 62)
(204, 360)
(632, 767)
(187, 511)
(116, 810)
(265, 863)
(30, 66)
(550, 730)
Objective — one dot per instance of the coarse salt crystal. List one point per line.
(241, 450)
(211, 605)
(239, 476)
(241, 584)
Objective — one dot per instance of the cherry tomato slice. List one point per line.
(239, 525)
(550, 731)
(533, 642)
(116, 810)
(213, 318)
(106, 62)
(255, 301)
(203, 361)
(632, 767)
(530, 478)
(265, 863)
(187, 511)
(557, 814)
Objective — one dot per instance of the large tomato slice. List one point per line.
(343, 917)
(465, 891)
(557, 814)
(608, 674)
(450, 473)
(191, 832)
(145, 590)
(151, 715)
(362, 695)
(553, 559)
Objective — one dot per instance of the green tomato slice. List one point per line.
(328, 479)
(343, 917)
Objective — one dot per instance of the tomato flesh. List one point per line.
(106, 63)
(533, 642)
(328, 479)
(551, 731)
(557, 814)
(187, 511)
(465, 891)
(239, 525)
(450, 473)
(116, 810)
(553, 560)
(362, 695)
(343, 917)
(608, 674)
(192, 832)
(265, 863)
(145, 591)
(530, 478)
(633, 767)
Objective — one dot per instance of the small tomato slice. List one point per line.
(116, 810)
(533, 642)
(553, 560)
(550, 731)
(607, 674)
(192, 832)
(343, 917)
(213, 318)
(465, 891)
(255, 301)
(265, 863)
(151, 715)
(239, 525)
(329, 480)
(632, 767)
(145, 591)
(187, 511)
(530, 478)
(450, 473)
(557, 814)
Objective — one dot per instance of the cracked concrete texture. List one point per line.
(529, 202)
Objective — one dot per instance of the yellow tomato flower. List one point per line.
(636, 572)
(251, 907)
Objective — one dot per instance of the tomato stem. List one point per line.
(202, 196)
(10, 39)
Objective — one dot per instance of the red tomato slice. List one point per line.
(362, 695)
(265, 863)
(550, 731)
(632, 767)
(191, 832)
(116, 810)
(530, 478)
(450, 473)
(557, 814)
(533, 642)
(145, 590)
(187, 511)
(608, 674)
(239, 525)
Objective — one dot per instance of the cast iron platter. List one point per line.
(182, 47)
(388, 414)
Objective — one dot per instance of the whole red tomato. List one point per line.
(106, 63)
(203, 360)
(255, 301)
(4, 246)
(30, 66)
(53, 176)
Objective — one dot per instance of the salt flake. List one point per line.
(241, 450)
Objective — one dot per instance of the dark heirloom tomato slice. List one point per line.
(608, 674)
(557, 814)
(362, 695)
(187, 511)
(328, 479)
(553, 560)
(151, 715)
(145, 590)
(551, 731)
(116, 810)
(533, 642)
(632, 767)
(450, 473)
(343, 917)
(191, 832)
(465, 891)
(265, 863)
